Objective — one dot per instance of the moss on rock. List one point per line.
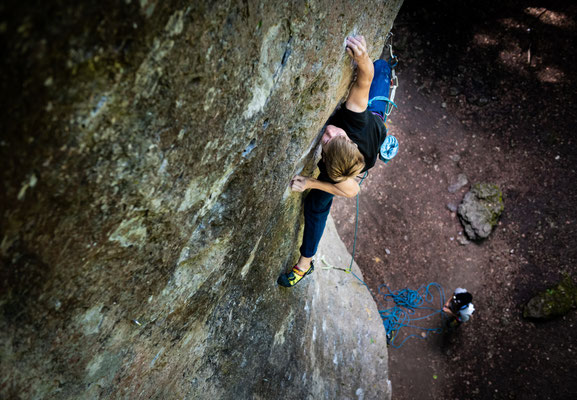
(553, 302)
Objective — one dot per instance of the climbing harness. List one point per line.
(406, 303)
(390, 146)
(393, 61)
(394, 83)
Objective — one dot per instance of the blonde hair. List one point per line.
(342, 159)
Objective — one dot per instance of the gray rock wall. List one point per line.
(146, 150)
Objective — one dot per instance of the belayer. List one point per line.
(351, 142)
(459, 308)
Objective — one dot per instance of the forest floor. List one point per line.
(488, 91)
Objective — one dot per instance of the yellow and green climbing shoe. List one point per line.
(292, 278)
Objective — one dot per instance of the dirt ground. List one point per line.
(487, 89)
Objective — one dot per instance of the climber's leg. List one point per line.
(316, 210)
(380, 87)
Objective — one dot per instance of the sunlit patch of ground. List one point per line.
(554, 18)
(482, 39)
(551, 75)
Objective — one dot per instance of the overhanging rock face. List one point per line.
(146, 150)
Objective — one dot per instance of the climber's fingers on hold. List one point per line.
(350, 52)
(298, 183)
(362, 47)
(356, 46)
(352, 46)
(297, 187)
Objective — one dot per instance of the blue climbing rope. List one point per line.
(407, 303)
(350, 269)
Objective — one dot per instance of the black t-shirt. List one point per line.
(364, 128)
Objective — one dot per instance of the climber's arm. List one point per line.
(347, 188)
(447, 309)
(359, 93)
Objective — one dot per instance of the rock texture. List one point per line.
(553, 302)
(340, 302)
(145, 214)
(480, 210)
(459, 183)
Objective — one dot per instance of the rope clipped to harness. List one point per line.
(390, 146)
(394, 83)
(382, 98)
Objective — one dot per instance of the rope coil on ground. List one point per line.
(406, 303)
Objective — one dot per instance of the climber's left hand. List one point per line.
(299, 183)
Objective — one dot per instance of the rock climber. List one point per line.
(459, 308)
(350, 146)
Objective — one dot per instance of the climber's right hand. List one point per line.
(357, 48)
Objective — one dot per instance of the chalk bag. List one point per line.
(389, 149)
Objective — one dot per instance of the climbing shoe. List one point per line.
(292, 278)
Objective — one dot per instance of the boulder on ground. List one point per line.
(553, 302)
(480, 210)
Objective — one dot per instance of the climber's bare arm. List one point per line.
(447, 309)
(359, 93)
(347, 188)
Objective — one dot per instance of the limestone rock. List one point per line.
(553, 302)
(459, 183)
(146, 152)
(480, 210)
